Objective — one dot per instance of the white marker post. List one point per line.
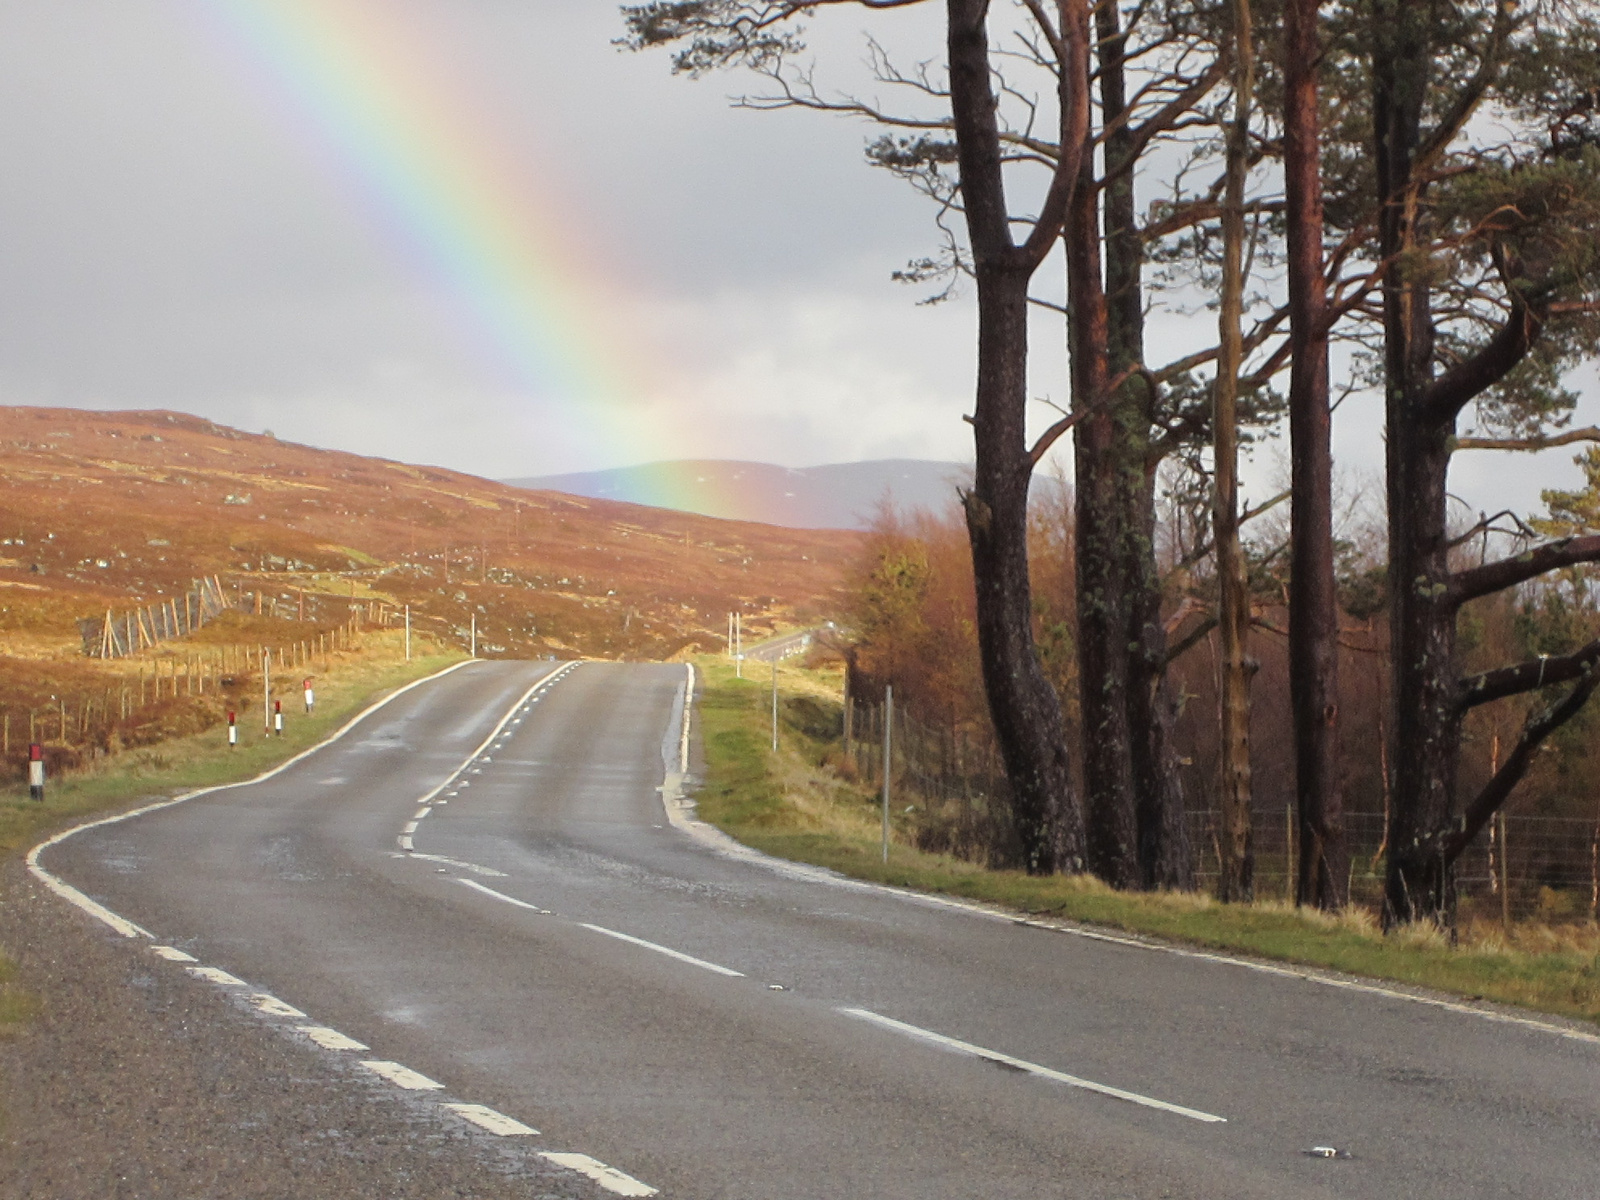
(36, 771)
(408, 630)
(474, 651)
(266, 690)
(888, 725)
(738, 646)
(233, 730)
(277, 717)
(774, 705)
(311, 698)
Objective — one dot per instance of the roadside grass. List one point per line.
(352, 682)
(202, 760)
(788, 805)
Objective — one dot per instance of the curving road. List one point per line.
(539, 945)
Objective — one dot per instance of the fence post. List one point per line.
(888, 762)
(1505, 876)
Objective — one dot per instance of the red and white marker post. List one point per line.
(233, 728)
(277, 717)
(36, 771)
(310, 696)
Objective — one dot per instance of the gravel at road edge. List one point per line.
(138, 1082)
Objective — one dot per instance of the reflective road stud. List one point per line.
(36, 771)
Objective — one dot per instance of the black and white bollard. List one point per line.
(36, 771)
(233, 728)
(277, 717)
(310, 697)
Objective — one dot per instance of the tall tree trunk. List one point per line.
(1323, 875)
(1237, 881)
(1103, 618)
(1162, 839)
(1025, 709)
(1426, 723)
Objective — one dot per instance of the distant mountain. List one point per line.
(835, 496)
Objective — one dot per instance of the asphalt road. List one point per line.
(554, 949)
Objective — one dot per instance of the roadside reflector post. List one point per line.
(888, 763)
(311, 698)
(277, 717)
(473, 653)
(408, 621)
(774, 704)
(233, 728)
(36, 771)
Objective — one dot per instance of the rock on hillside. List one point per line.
(113, 509)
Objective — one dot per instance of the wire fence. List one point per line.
(955, 788)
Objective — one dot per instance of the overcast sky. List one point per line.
(187, 223)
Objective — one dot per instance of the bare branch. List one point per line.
(1544, 671)
(1589, 433)
(1497, 576)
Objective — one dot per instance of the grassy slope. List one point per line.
(200, 761)
(786, 806)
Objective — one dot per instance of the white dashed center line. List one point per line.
(489, 891)
(994, 1056)
(668, 951)
(173, 954)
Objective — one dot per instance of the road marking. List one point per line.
(609, 1178)
(409, 827)
(173, 954)
(400, 1076)
(216, 975)
(670, 953)
(994, 1056)
(454, 862)
(405, 842)
(489, 891)
(127, 928)
(495, 1122)
(331, 1039)
(422, 812)
(274, 1007)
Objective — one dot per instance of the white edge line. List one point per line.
(122, 925)
(688, 708)
(485, 1117)
(681, 815)
(609, 1178)
(331, 1039)
(401, 1075)
(489, 891)
(994, 1056)
(454, 862)
(668, 951)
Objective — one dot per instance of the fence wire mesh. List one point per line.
(953, 783)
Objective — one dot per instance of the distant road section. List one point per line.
(477, 904)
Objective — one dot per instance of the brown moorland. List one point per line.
(111, 511)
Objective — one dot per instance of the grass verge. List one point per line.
(203, 760)
(787, 805)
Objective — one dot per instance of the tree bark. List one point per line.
(1426, 723)
(1025, 709)
(1324, 867)
(1236, 881)
(1162, 845)
(1103, 617)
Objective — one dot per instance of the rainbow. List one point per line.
(362, 85)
